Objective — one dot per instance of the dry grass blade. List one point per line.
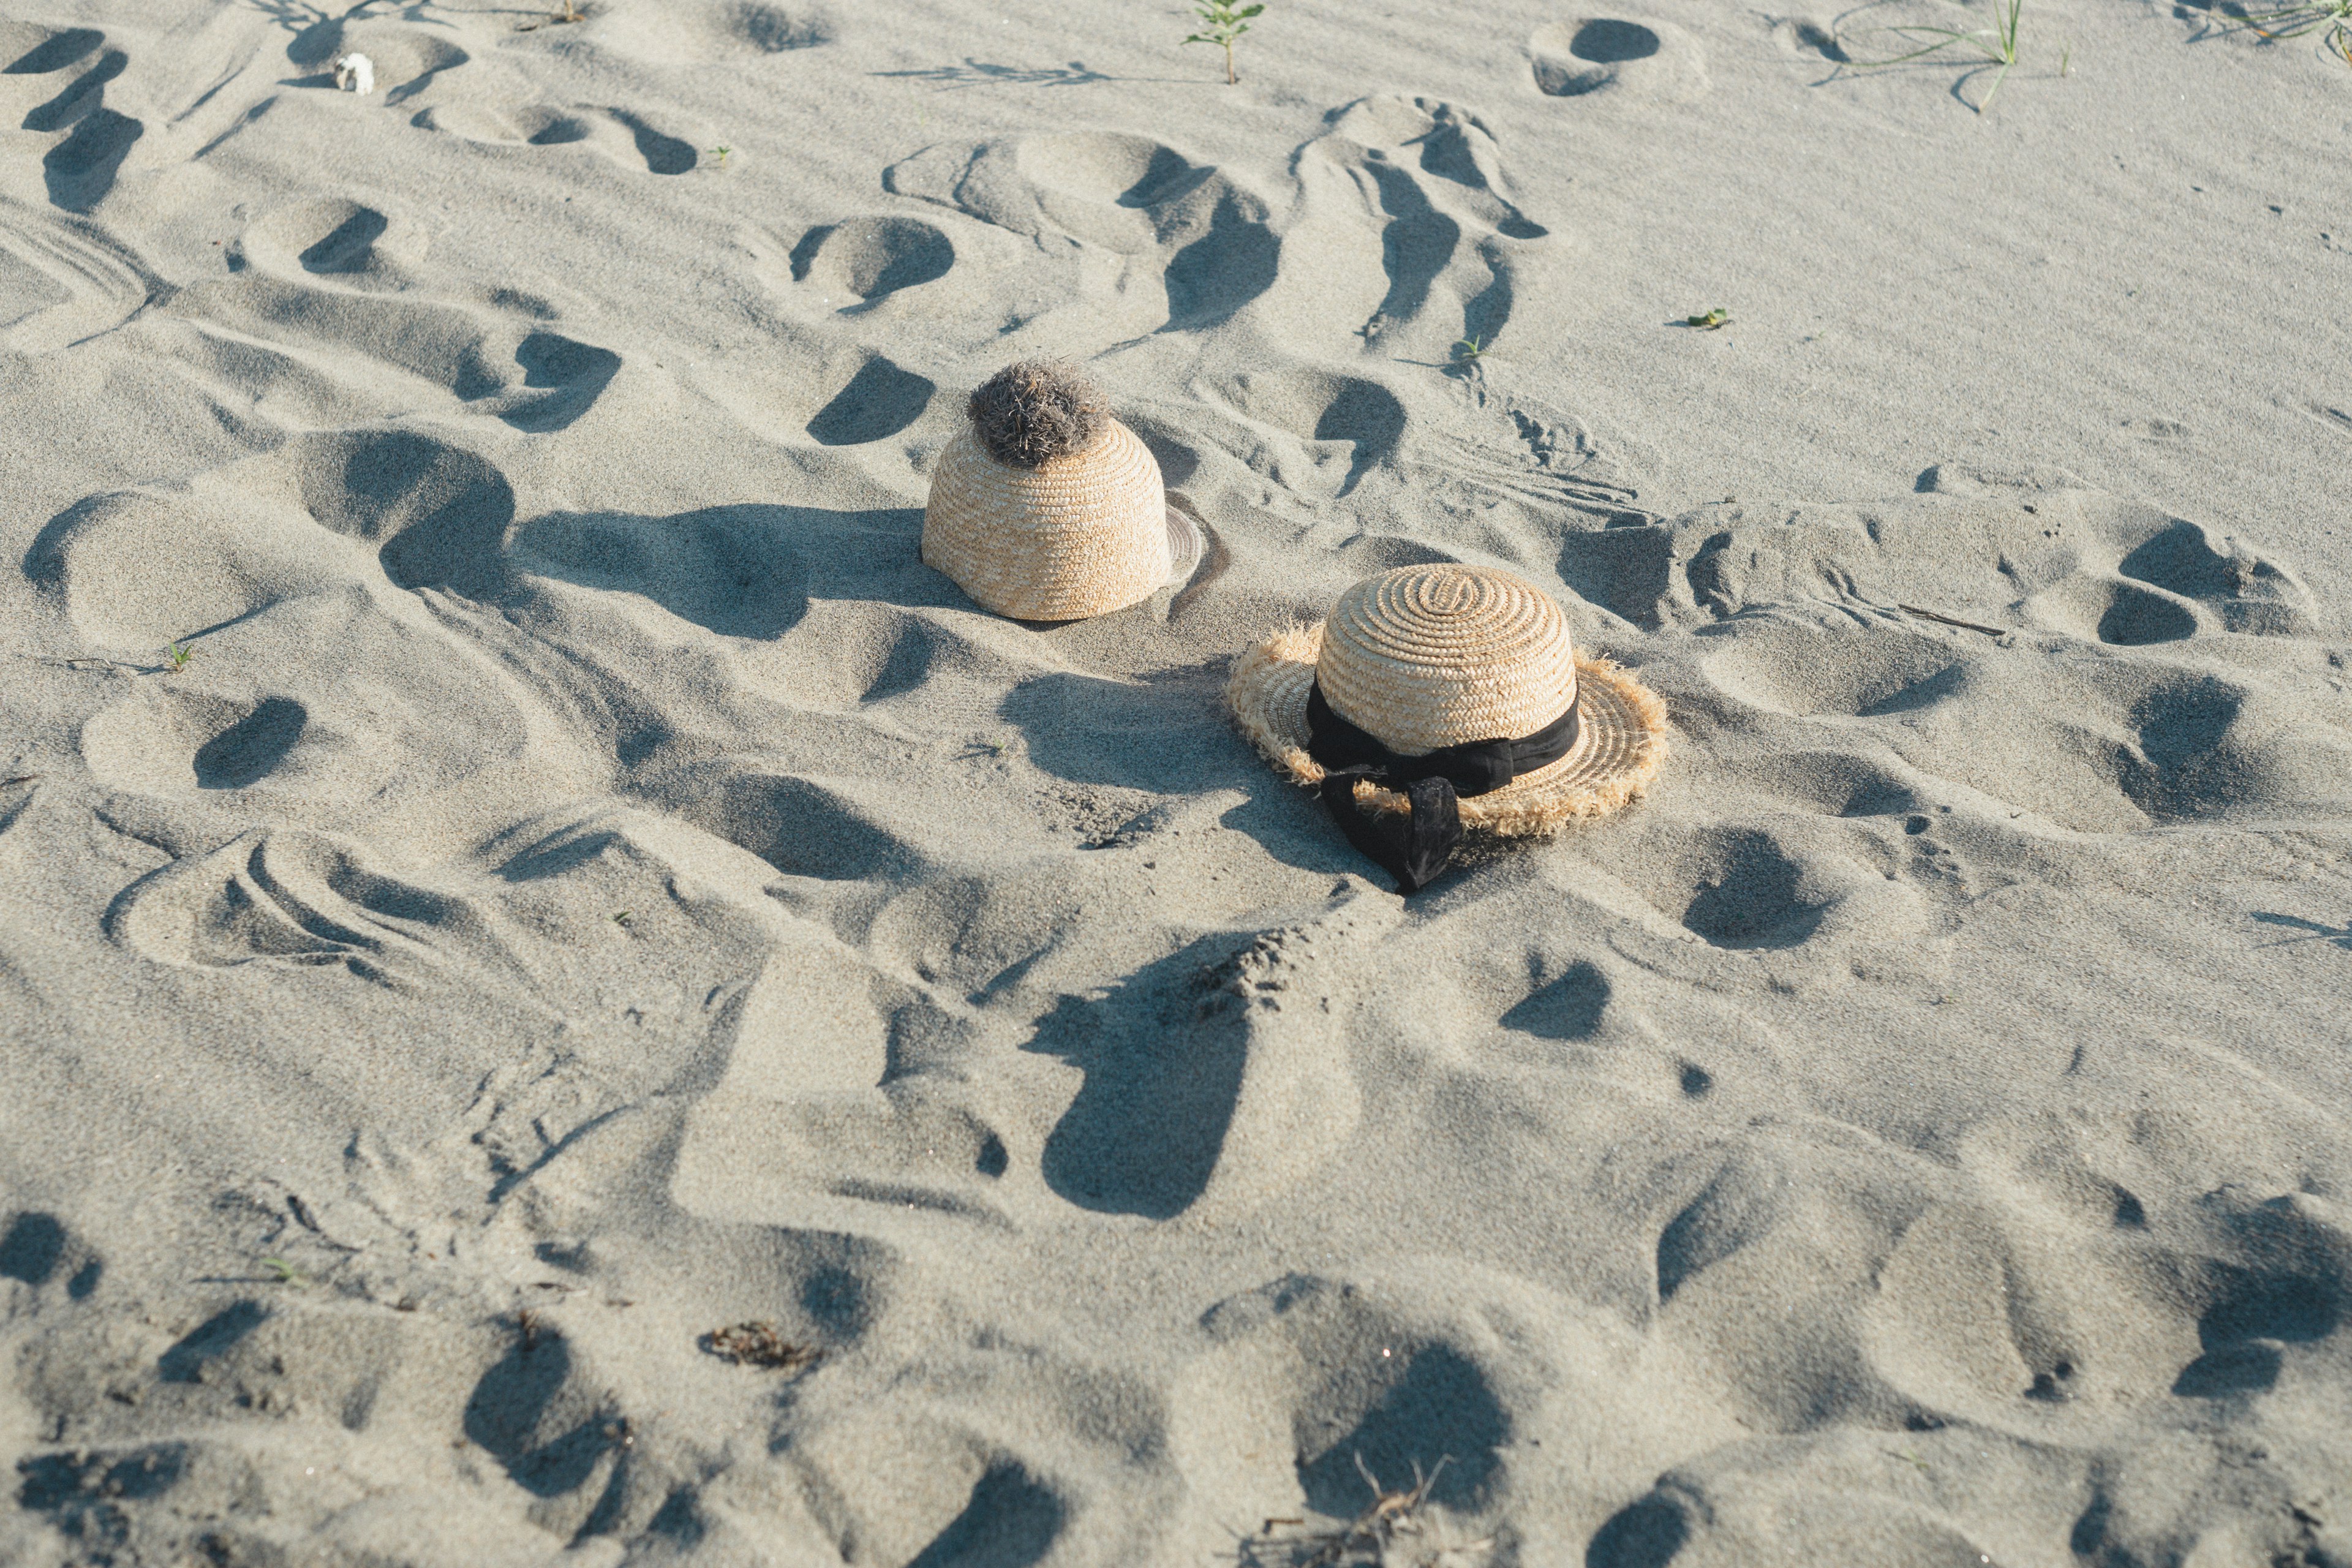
(1365, 1539)
(2294, 20)
(758, 1344)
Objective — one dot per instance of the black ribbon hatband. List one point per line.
(1416, 846)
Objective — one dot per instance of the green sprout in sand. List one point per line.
(1997, 44)
(1226, 22)
(284, 1273)
(1469, 350)
(1713, 321)
(176, 657)
(720, 154)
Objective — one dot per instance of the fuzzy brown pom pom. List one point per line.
(1031, 413)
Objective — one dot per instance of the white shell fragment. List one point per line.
(355, 73)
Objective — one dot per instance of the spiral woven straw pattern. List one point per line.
(1078, 535)
(1433, 655)
(1622, 725)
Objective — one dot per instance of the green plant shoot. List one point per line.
(1997, 44)
(1712, 322)
(176, 657)
(1225, 23)
(1469, 349)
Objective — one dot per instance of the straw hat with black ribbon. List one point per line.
(1441, 698)
(1045, 508)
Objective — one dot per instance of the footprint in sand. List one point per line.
(1133, 209)
(1621, 58)
(334, 275)
(858, 263)
(623, 135)
(93, 140)
(1406, 207)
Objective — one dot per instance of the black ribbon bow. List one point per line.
(1416, 847)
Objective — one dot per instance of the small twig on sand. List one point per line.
(1956, 621)
(1364, 1539)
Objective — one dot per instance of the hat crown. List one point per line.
(1438, 655)
(1082, 533)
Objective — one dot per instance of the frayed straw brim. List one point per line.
(1620, 743)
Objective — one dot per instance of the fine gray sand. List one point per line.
(590, 885)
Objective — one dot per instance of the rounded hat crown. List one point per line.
(1079, 534)
(1425, 656)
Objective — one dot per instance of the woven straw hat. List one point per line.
(1429, 656)
(1079, 534)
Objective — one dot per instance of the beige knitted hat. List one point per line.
(1455, 671)
(1047, 509)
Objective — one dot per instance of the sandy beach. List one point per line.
(565, 1000)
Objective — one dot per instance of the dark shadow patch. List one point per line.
(723, 568)
(184, 1362)
(798, 827)
(873, 257)
(1011, 1521)
(1607, 41)
(1223, 269)
(880, 401)
(510, 1402)
(2242, 1368)
(2319, 931)
(2254, 1316)
(246, 751)
(1736, 1208)
(2181, 770)
(2181, 560)
(576, 373)
(1749, 899)
(1645, 1534)
(55, 52)
(31, 1249)
(1162, 1056)
(2134, 618)
(1092, 731)
(560, 131)
(839, 1300)
(1438, 1408)
(1910, 697)
(1626, 571)
(1417, 243)
(86, 92)
(773, 31)
(81, 170)
(315, 45)
(437, 513)
(678, 1521)
(663, 154)
(348, 248)
(1568, 1008)
(1446, 153)
(1368, 415)
(553, 857)
(1177, 458)
(1696, 1082)
(907, 668)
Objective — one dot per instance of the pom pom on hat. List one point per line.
(1026, 415)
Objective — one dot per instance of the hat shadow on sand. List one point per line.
(1169, 735)
(1163, 1072)
(747, 570)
